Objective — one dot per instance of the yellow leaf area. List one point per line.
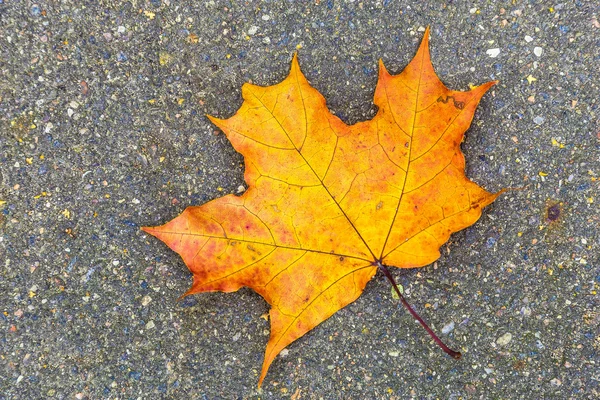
(327, 202)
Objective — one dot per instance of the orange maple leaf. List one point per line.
(328, 204)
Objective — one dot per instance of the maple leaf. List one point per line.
(329, 204)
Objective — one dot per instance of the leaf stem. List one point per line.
(454, 354)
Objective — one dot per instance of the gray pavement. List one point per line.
(102, 130)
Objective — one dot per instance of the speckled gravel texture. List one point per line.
(102, 130)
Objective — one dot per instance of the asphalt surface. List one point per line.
(102, 130)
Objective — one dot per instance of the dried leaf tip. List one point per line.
(383, 72)
(295, 64)
(426, 34)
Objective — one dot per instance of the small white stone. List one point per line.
(121, 29)
(555, 382)
(74, 104)
(253, 29)
(146, 300)
(266, 40)
(135, 201)
(284, 353)
(504, 339)
(70, 112)
(265, 17)
(150, 325)
(394, 353)
(528, 39)
(448, 328)
(493, 52)
(49, 127)
(538, 51)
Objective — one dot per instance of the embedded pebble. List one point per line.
(493, 52)
(448, 328)
(36, 10)
(146, 300)
(539, 120)
(253, 29)
(528, 39)
(538, 51)
(504, 339)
